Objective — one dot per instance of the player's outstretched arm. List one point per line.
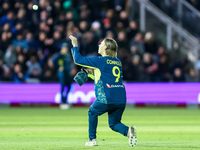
(93, 62)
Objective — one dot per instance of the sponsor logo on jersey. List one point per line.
(116, 86)
(108, 85)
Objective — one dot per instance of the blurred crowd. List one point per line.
(187, 19)
(31, 36)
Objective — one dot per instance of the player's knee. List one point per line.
(112, 127)
(90, 112)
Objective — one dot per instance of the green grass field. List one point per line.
(55, 129)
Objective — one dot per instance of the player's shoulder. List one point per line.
(96, 58)
(118, 60)
(99, 60)
(105, 58)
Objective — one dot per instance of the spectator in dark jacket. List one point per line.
(20, 41)
(32, 42)
(150, 44)
(191, 76)
(178, 75)
(8, 18)
(4, 41)
(18, 74)
(34, 68)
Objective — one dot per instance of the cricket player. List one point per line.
(63, 61)
(109, 89)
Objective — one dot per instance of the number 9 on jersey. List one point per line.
(117, 75)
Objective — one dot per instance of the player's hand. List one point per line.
(87, 71)
(74, 41)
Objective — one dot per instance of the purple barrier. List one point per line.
(136, 93)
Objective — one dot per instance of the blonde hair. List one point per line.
(112, 47)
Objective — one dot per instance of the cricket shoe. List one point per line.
(132, 136)
(91, 143)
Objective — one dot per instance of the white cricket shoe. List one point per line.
(91, 143)
(132, 136)
(64, 106)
